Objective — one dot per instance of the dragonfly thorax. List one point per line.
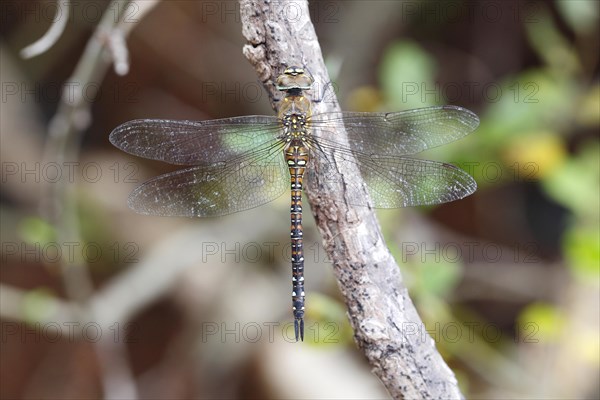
(294, 115)
(292, 105)
(294, 109)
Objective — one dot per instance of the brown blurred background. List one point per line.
(97, 301)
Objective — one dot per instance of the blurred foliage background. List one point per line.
(97, 301)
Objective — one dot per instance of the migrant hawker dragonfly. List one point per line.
(235, 164)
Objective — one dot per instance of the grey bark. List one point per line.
(386, 325)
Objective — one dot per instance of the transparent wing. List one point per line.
(397, 133)
(238, 162)
(209, 191)
(195, 142)
(395, 182)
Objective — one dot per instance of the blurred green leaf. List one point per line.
(364, 99)
(530, 102)
(439, 279)
(38, 305)
(581, 246)
(429, 270)
(35, 230)
(326, 321)
(432, 309)
(547, 40)
(535, 154)
(588, 112)
(406, 76)
(542, 322)
(576, 183)
(99, 249)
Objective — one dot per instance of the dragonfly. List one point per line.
(234, 164)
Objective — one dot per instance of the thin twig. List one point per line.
(53, 34)
(386, 325)
(59, 203)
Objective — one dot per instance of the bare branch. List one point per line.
(118, 50)
(135, 11)
(59, 203)
(386, 325)
(53, 34)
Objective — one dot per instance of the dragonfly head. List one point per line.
(294, 78)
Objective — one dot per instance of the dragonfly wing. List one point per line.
(210, 191)
(404, 182)
(398, 133)
(194, 142)
(395, 182)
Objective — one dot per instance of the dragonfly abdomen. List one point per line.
(296, 156)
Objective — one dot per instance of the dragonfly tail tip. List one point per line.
(299, 329)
